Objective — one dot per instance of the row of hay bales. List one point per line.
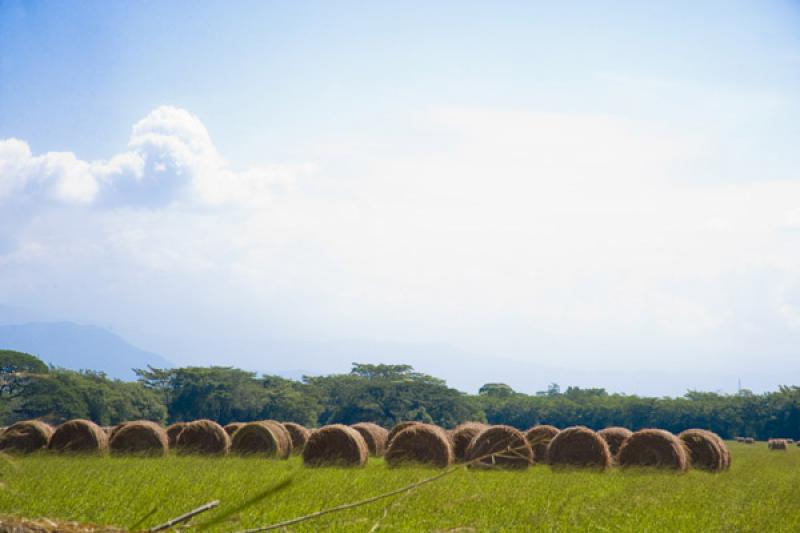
(475, 443)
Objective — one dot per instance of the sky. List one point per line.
(606, 194)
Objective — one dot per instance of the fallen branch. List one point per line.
(184, 517)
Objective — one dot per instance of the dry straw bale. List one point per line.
(374, 435)
(25, 437)
(285, 436)
(578, 446)
(615, 437)
(141, 437)
(539, 438)
(397, 428)
(335, 445)
(654, 447)
(79, 436)
(173, 431)
(505, 446)
(298, 435)
(204, 437)
(777, 444)
(263, 438)
(706, 450)
(462, 435)
(231, 428)
(420, 443)
(749, 440)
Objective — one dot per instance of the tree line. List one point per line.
(385, 394)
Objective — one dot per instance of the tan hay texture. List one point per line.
(79, 436)
(173, 431)
(298, 434)
(140, 438)
(374, 435)
(25, 437)
(539, 438)
(656, 448)
(508, 445)
(777, 444)
(335, 445)
(615, 437)
(578, 446)
(462, 435)
(400, 426)
(420, 444)
(231, 428)
(285, 436)
(203, 437)
(706, 450)
(263, 438)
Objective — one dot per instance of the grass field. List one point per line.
(761, 492)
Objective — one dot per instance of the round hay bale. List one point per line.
(615, 437)
(749, 440)
(79, 436)
(462, 435)
(142, 438)
(505, 446)
(539, 438)
(298, 434)
(335, 445)
(262, 438)
(25, 437)
(656, 448)
(374, 435)
(777, 444)
(204, 437)
(578, 446)
(705, 449)
(420, 444)
(173, 431)
(231, 428)
(284, 435)
(397, 428)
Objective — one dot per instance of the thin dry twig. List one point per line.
(184, 517)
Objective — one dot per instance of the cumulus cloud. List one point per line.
(170, 158)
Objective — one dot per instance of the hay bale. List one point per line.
(462, 435)
(173, 431)
(204, 437)
(421, 444)
(507, 446)
(264, 438)
(142, 437)
(578, 446)
(615, 437)
(284, 435)
(655, 448)
(397, 428)
(298, 435)
(79, 436)
(539, 438)
(335, 445)
(777, 444)
(231, 428)
(706, 450)
(374, 435)
(25, 437)
(749, 440)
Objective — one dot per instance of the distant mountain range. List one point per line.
(75, 346)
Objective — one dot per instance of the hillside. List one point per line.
(75, 346)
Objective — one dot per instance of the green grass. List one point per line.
(761, 492)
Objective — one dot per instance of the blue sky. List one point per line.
(566, 185)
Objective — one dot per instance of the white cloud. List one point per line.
(170, 158)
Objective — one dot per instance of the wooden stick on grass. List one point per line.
(184, 517)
